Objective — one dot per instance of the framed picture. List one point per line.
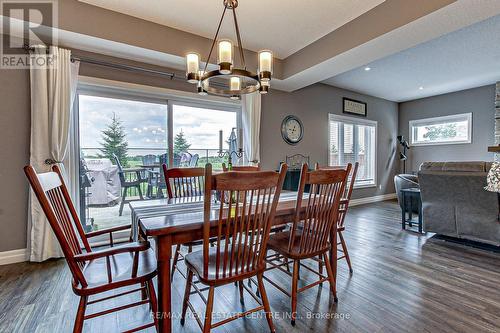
(353, 106)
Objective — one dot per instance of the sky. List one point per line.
(146, 123)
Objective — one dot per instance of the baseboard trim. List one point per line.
(367, 200)
(13, 257)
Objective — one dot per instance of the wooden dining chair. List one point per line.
(129, 178)
(310, 233)
(94, 271)
(241, 167)
(183, 183)
(344, 206)
(241, 231)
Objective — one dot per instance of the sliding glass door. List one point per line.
(125, 138)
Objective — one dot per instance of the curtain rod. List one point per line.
(115, 65)
(123, 67)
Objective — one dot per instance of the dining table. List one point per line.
(180, 220)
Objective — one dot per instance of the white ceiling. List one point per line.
(466, 58)
(284, 26)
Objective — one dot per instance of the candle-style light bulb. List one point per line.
(265, 65)
(192, 67)
(235, 83)
(225, 58)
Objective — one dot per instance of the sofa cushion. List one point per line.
(455, 166)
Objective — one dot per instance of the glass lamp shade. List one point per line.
(265, 65)
(192, 67)
(225, 56)
(235, 83)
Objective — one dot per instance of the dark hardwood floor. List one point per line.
(402, 282)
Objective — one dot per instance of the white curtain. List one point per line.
(251, 109)
(53, 90)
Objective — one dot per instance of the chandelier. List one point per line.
(229, 80)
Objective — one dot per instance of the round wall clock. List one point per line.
(292, 130)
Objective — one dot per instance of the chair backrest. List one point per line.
(185, 159)
(149, 159)
(311, 231)
(56, 203)
(194, 161)
(184, 182)
(243, 223)
(346, 197)
(241, 167)
(120, 169)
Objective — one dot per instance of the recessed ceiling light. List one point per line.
(367, 68)
(420, 88)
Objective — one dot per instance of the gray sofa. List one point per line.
(454, 202)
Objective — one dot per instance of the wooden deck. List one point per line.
(402, 282)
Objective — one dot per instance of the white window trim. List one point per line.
(438, 120)
(357, 121)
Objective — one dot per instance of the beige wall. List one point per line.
(311, 104)
(14, 155)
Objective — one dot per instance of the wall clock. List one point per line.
(292, 130)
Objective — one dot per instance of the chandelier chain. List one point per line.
(240, 44)
(215, 39)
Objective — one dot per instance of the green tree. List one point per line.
(181, 145)
(441, 132)
(115, 141)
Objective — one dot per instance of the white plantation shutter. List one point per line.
(354, 140)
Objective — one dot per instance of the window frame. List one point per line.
(356, 121)
(440, 120)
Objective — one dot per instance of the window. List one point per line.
(196, 131)
(453, 129)
(354, 140)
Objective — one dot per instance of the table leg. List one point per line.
(164, 254)
(410, 211)
(403, 216)
(420, 217)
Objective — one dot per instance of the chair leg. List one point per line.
(153, 302)
(187, 292)
(144, 291)
(208, 313)
(242, 298)
(295, 280)
(124, 196)
(346, 253)
(320, 267)
(140, 192)
(331, 277)
(265, 303)
(287, 265)
(80, 314)
(175, 260)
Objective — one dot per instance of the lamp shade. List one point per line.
(493, 179)
(225, 56)
(265, 65)
(193, 66)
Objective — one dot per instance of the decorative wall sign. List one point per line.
(353, 106)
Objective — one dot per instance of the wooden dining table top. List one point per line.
(178, 215)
